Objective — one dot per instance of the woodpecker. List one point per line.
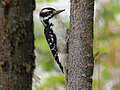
(55, 33)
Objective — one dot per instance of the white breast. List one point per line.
(60, 31)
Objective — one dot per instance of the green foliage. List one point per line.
(53, 83)
(106, 40)
(106, 75)
(95, 84)
(116, 86)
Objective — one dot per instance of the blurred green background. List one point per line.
(106, 44)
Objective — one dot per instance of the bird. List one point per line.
(55, 33)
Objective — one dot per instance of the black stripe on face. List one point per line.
(45, 14)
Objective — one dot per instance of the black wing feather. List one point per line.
(52, 41)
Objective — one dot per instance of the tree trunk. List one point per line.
(16, 44)
(80, 62)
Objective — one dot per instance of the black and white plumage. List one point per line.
(55, 33)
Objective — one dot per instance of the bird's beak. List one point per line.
(58, 11)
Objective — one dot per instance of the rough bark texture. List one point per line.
(16, 44)
(81, 63)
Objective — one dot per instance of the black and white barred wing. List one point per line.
(52, 41)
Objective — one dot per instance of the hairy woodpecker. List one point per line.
(55, 33)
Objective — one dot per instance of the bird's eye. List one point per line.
(48, 12)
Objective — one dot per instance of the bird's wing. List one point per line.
(52, 41)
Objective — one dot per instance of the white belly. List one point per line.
(60, 31)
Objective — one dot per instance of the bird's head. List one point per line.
(48, 13)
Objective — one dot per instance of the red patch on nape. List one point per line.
(41, 11)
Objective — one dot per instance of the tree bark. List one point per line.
(81, 62)
(16, 44)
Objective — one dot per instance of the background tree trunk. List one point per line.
(81, 63)
(16, 44)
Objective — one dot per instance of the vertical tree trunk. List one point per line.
(80, 63)
(16, 44)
